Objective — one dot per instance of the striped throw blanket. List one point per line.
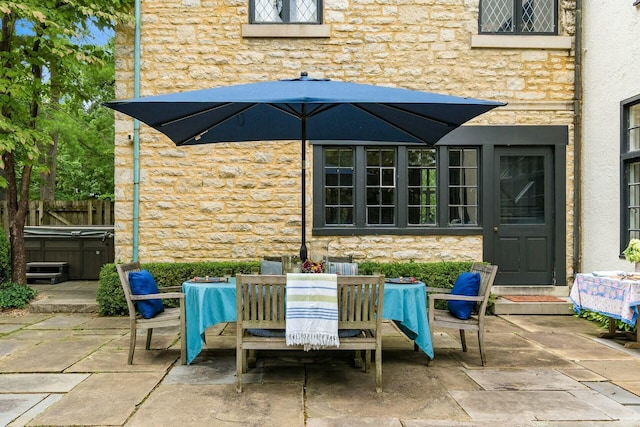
(312, 310)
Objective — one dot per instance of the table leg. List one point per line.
(636, 343)
(612, 329)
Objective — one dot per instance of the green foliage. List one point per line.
(434, 274)
(5, 258)
(632, 251)
(603, 320)
(15, 295)
(110, 296)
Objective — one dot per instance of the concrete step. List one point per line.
(505, 306)
(537, 295)
(64, 306)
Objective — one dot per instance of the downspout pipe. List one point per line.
(136, 137)
(577, 143)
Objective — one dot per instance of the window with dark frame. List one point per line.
(631, 170)
(422, 186)
(339, 186)
(518, 17)
(285, 11)
(463, 186)
(399, 187)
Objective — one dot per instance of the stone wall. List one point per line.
(241, 201)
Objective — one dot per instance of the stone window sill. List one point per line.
(286, 30)
(521, 42)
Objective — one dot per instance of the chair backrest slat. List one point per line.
(123, 274)
(260, 301)
(487, 276)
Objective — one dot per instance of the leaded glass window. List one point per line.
(285, 11)
(518, 17)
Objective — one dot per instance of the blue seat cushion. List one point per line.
(466, 284)
(143, 283)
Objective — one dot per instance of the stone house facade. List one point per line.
(241, 201)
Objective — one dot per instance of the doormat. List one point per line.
(532, 298)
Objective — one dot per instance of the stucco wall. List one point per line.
(241, 201)
(610, 75)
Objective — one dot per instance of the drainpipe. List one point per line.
(577, 142)
(136, 136)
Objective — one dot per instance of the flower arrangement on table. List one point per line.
(632, 252)
(312, 267)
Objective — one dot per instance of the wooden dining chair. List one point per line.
(445, 319)
(169, 317)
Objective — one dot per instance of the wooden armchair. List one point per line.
(260, 304)
(170, 316)
(444, 318)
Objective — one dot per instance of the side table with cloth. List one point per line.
(615, 296)
(211, 303)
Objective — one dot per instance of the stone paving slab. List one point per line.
(576, 347)
(36, 410)
(279, 405)
(212, 370)
(409, 391)
(66, 321)
(502, 406)
(603, 403)
(350, 422)
(614, 392)
(13, 405)
(102, 399)
(619, 370)
(39, 383)
(49, 356)
(523, 379)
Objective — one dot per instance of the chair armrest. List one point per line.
(167, 295)
(438, 290)
(451, 297)
(171, 289)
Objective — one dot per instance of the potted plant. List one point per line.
(632, 253)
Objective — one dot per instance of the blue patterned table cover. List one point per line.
(614, 297)
(210, 303)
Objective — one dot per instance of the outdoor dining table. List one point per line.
(210, 303)
(611, 295)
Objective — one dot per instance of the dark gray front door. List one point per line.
(523, 221)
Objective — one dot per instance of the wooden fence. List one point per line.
(63, 212)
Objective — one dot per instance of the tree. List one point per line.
(34, 74)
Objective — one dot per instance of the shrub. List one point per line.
(110, 296)
(15, 295)
(5, 258)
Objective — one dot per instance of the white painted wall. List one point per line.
(611, 73)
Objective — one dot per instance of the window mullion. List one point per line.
(360, 205)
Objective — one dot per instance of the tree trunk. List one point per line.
(17, 210)
(50, 156)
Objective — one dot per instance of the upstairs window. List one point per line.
(285, 11)
(518, 17)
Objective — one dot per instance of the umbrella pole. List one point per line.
(303, 247)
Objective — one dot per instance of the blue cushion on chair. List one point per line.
(142, 283)
(466, 284)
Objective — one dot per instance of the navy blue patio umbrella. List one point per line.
(303, 109)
